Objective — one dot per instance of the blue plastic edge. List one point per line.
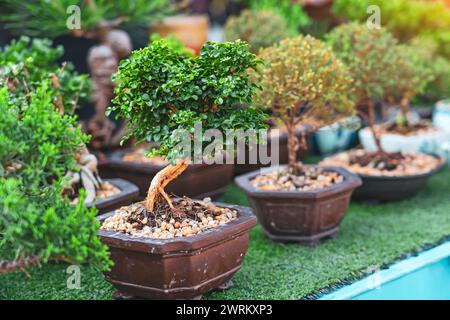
(395, 271)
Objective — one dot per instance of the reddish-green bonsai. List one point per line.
(370, 55)
(161, 90)
(413, 74)
(304, 82)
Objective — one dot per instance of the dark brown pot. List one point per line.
(240, 169)
(179, 268)
(198, 181)
(304, 217)
(384, 189)
(128, 192)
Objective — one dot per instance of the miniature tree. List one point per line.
(371, 56)
(161, 90)
(303, 82)
(98, 20)
(37, 147)
(412, 77)
(259, 28)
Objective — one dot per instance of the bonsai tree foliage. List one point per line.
(303, 82)
(371, 57)
(292, 13)
(259, 28)
(37, 147)
(97, 20)
(161, 90)
(412, 77)
(24, 64)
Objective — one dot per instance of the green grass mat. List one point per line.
(370, 237)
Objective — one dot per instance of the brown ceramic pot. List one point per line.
(198, 181)
(179, 268)
(304, 217)
(240, 169)
(128, 192)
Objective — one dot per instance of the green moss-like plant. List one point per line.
(37, 148)
(371, 57)
(24, 63)
(259, 28)
(161, 90)
(304, 82)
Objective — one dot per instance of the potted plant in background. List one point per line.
(371, 57)
(302, 81)
(406, 131)
(134, 164)
(23, 65)
(37, 147)
(190, 246)
(99, 21)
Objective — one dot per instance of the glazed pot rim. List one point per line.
(127, 189)
(407, 177)
(244, 221)
(351, 181)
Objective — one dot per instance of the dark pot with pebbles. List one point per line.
(175, 257)
(299, 208)
(388, 176)
(166, 247)
(198, 181)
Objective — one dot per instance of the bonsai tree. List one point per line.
(37, 147)
(412, 78)
(370, 56)
(99, 21)
(303, 82)
(161, 90)
(259, 28)
(24, 64)
(292, 12)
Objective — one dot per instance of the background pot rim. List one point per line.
(351, 181)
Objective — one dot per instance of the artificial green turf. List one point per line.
(370, 236)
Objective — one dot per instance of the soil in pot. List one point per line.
(387, 176)
(305, 207)
(408, 130)
(178, 253)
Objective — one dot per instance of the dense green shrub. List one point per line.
(160, 90)
(259, 28)
(24, 63)
(303, 82)
(35, 220)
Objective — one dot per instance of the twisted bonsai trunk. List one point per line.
(404, 109)
(293, 145)
(160, 181)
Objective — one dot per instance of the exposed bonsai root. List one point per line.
(160, 181)
(380, 160)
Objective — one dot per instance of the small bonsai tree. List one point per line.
(370, 56)
(161, 90)
(259, 28)
(37, 147)
(412, 77)
(303, 82)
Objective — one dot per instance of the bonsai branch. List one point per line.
(160, 181)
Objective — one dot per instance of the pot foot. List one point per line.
(225, 286)
(122, 296)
